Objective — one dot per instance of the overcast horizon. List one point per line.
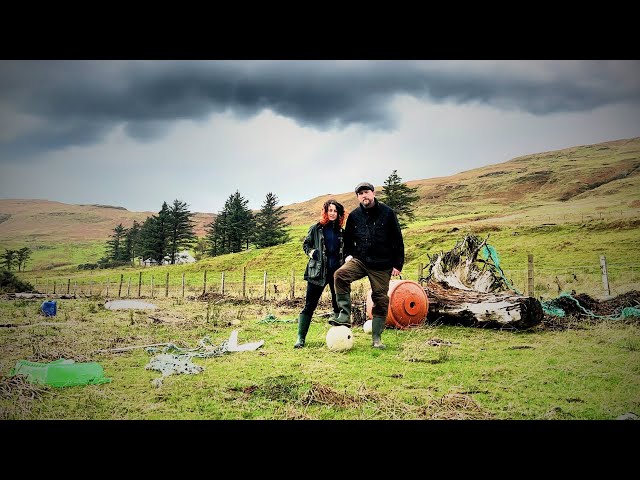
(137, 133)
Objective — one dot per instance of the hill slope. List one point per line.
(46, 221)
(603, 178)
(600, 176)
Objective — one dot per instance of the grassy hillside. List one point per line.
(565, 207)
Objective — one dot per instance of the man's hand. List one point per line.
(314, 254)
(395, 272)
(349, 257)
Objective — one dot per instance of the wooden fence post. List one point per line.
(530, 286)
(68, 286)
(222, 284)
(107, 287)
(75, 284)
(204, 288)
(605, 275)
(420, 271)
(120, 286)
(293, 285)
(151, 286)
(182, 284)
(264, 286)
(129, 287)
(166, 287)
(90, 287)
(244, 282)
(139, 283)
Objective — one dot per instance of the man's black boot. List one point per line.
(377, 326)
(344, 317)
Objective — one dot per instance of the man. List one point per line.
(373, 248)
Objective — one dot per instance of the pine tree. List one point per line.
(154, 235)
(270, 224)
(233, 227)
(180, 233)
(22, 256)
(400, 197)
(240, 223)
(216, 234)
(9, 258)
(132, 242)
(116, 251)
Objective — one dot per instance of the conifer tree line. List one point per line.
(235, 228)
(163, 236)
(171, 231)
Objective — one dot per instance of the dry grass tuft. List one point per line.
(18, 394)
(456, 406)
(323, 395)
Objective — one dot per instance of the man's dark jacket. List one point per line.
(373, 236)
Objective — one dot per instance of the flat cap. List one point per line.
(364, 186)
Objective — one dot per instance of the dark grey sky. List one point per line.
(137, 133)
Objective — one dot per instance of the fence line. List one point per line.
(601, 280)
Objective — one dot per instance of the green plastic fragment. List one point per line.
(61, 373)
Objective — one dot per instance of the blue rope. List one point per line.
(558, 312)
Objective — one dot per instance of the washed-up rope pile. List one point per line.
(205, 349)
(549, 307)
(271, 318)
(172, 359)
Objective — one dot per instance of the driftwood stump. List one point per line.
(462, 293)
(469, 308)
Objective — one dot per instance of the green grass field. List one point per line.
(589, 370)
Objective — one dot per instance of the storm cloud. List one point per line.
(138, 133)
(55, 104)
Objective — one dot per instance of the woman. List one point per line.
(325, 247)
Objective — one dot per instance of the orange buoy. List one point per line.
(408, 304)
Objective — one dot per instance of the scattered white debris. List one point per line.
(232, 344)
(628, 416)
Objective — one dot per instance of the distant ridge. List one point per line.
(101, 206)
(598, 177)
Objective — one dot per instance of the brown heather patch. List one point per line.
(623, 224)
(60, 222)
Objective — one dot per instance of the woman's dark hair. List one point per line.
(325, 209)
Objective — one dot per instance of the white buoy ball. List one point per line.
(367, 326)
(339, 338)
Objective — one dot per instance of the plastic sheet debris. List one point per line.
(129, 305)
(61, 373)
(628, 416)
(232, 344)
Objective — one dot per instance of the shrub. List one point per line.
(9, 283)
